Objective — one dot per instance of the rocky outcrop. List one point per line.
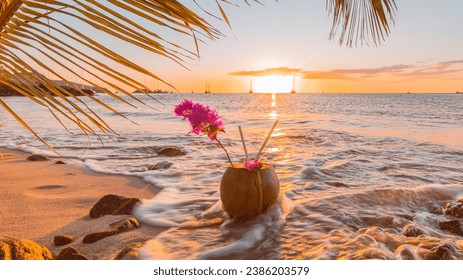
(115, 228)
(8, 91)
(130, 252)
(61, 240)
(454, 209)
(22, 249)
(170, 151)
(60, 162)
(38, 158)
(453, 226)
(441, 252)
(412, 231)
(71, 253)
(113, 205)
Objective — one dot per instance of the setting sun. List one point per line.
(273, 84)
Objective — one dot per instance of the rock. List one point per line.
(454, 226)
(94, 237)
(130, 252)
(71, 253)
(454, 209)
(61, 240)
(170, 152)
(115, 228)
(38, 158)
(113, 205)
(60, 162)
(405, 252)
(22, 249)
(441, 252)
(412, 231)
(160, 165)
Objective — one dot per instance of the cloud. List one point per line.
(421, 69)
(282, 71)
(348, 74)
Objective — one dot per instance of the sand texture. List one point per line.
(41, 199)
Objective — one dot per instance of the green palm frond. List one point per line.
(56, 37)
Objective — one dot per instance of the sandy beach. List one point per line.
(39, 200)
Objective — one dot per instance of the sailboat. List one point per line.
(207, 90)
(250, 87)
(293, 91)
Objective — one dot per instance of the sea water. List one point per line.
(354, 169)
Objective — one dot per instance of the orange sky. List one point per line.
(292, 37)
(421, 55)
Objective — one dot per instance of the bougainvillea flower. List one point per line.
(251, 164)
(202, 119)
(184, 108)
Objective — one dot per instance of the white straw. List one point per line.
(266, 139)
(244, 144)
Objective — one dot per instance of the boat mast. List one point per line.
(250, 87)
(293, 91)
(208, 90)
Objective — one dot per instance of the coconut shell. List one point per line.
(247, 194)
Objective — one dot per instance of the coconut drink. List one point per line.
(246, 189)
(246, 194)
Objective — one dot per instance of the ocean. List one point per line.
(358, 172)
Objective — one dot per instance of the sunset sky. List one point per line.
(270, 43)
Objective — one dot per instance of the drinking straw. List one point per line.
(242, 141)
(266, 139)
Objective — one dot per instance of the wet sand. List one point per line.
(39, 200)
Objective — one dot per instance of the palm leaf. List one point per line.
(39, 36)
(361, 20)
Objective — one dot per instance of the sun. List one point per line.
(272, 84)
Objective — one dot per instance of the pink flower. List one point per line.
(251, 164)
(202, 119)
(184, 108)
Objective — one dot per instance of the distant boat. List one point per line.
(250, 87)
(409, 92)
(208, 89)
(459, 92)
(293, 91)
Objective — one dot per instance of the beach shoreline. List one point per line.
(41, 199)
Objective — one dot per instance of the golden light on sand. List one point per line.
(273, 84)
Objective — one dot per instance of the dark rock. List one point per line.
(22, 249)
(61, 240)
(171, 152)
(70, 253)
(115, 228)
(441, 252)
(94, 237)
(405, 253)
(454, 226)
(38, 158)
(130, 252)
(113, 205)
(412, 231)
(161, 165)
(454, 209)
(60, 162)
